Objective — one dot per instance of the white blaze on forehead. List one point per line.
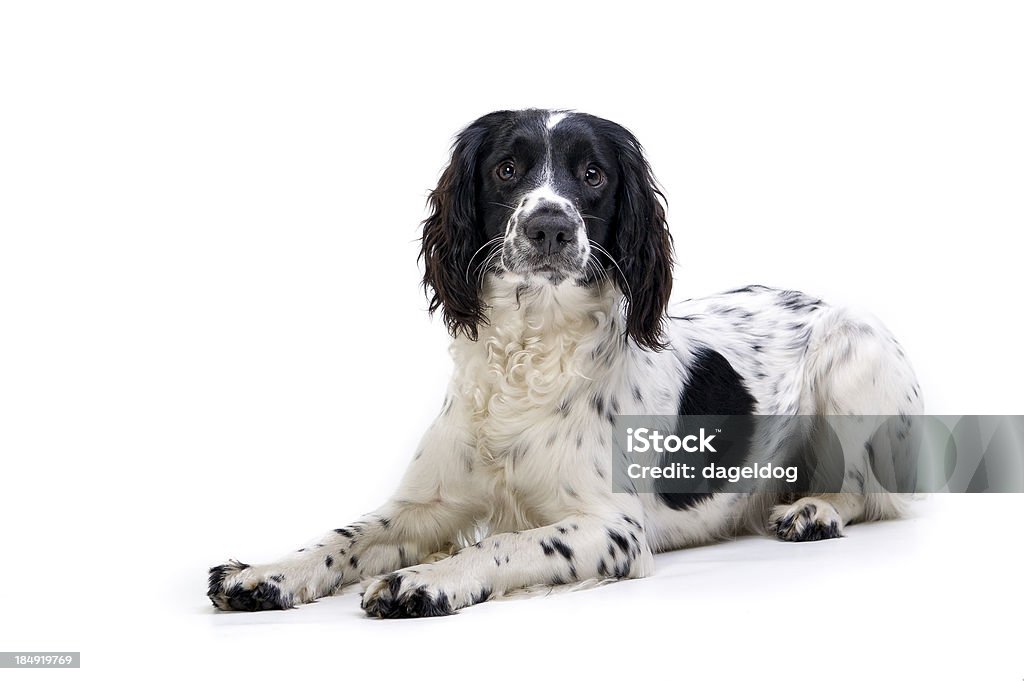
(555, 118)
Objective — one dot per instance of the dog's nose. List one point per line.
(550, 233)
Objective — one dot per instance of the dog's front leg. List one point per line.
(576, 549)
(427, 514)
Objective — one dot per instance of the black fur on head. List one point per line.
(561, 195)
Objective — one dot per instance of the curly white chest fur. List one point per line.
(543, 348)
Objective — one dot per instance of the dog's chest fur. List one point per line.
(543, 349)
(529, 386)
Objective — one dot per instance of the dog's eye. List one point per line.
(505, 171)
(593, 176)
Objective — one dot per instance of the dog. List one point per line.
(547, 253)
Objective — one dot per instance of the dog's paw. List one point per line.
(395, 596)
(237, 586)
(419, 591)
(808, 519)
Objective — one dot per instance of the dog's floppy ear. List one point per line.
(643, 243)
(451, 236)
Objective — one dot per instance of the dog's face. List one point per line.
(544, 198)
(547, 191)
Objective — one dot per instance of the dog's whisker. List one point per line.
(470, 263)
(485, 265)
(600, 249)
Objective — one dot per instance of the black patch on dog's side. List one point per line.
(713, 388)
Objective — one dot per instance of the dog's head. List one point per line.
(548, 197)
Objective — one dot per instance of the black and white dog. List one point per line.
(547, 253)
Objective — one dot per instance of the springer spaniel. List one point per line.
(547, 253)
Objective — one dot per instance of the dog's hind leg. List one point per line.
(858, 378)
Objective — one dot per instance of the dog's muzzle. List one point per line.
(550, 229)
(546, 236)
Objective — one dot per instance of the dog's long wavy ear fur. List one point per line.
(644, 244)
(451, 237)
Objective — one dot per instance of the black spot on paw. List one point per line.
(805, 514)
(390, 603)
(263, 596)
(819, 531)
(619, 540)
(219, 573)
(801, 526)
(419, 603)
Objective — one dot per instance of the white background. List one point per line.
(212, 343)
